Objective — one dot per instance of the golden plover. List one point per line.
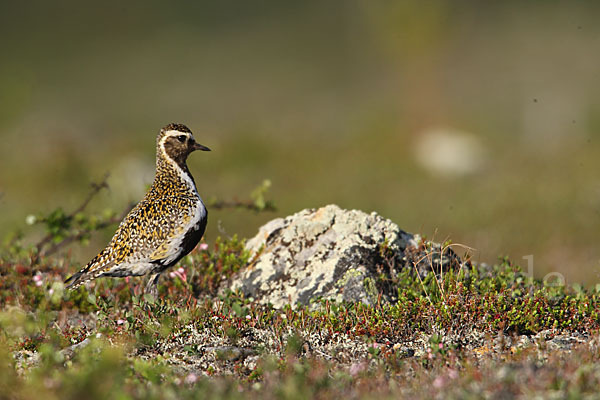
(163, 227)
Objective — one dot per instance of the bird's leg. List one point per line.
(152, 285)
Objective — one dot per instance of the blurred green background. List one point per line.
(473, 121)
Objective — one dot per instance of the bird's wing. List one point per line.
(114, 254)
(154, 232)
(151, 232)
(169, 247)
(143, 231)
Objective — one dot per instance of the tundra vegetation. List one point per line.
(490, 331)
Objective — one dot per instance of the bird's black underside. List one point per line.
(190, 240)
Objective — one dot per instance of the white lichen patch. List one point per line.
(319, 253)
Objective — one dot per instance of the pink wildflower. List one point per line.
(191, 378)
(180, 272)
(203, 246)
(439, 382)
(357, 368)
(37, 278)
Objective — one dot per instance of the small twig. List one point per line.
(96, 188)
(45, 246)
(73, 238)
(249, 205)
(421, 281)
(428, 255)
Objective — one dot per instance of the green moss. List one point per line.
(351, 273)
(371, 289)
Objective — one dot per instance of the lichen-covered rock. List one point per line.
(334, 254)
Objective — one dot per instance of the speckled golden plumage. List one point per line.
(163, 227)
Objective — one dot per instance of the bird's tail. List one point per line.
(91, 271)
(75, 280)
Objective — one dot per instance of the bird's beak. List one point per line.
(198, 146)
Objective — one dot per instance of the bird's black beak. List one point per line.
(198, 146)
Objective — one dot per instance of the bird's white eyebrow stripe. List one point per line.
(169, 134)
(177, 133)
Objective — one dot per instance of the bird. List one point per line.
(163, 227)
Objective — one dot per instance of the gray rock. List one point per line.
(335, 254)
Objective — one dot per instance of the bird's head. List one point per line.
(175, 141)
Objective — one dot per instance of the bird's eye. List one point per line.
(181, 138)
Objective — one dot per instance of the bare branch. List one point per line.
(96, 188)
(46, 246)
(73, 238)
(248, 205)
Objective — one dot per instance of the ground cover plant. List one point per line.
(487, 331)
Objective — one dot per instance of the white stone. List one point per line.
(321, 253)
